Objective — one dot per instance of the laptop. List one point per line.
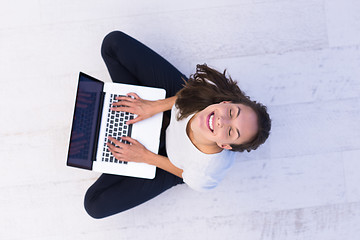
(94, 121)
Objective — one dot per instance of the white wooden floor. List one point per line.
(301, 58)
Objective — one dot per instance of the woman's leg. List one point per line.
(130, 61)
(112, 194)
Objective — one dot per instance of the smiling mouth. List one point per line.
(211, 122)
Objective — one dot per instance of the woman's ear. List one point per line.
(225, 146)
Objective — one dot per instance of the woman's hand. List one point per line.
(134, 104)
(136, 152)
(133, 152)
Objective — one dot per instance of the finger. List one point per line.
(129, 139)
(134, 95)
(134, 120)
(116, 142)
(118, 156)
(125, 98)
(123, 103)
(122, 109)
(113, 149)
(117, 149)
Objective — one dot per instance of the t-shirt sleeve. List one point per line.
(198, 181)
(206, 179)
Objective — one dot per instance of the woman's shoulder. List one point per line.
(208, 177)
(223, 160)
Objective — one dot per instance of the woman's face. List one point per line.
(224, 123)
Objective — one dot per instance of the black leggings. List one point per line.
(130, 61)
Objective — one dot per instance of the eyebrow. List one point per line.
(238, 134)
(237, 130)
(238, 111)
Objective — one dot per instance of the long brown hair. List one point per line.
(208, 86)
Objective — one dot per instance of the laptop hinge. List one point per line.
(102, 97)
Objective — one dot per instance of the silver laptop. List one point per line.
(94, 121)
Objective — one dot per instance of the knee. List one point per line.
(92, 207)
(111, 39)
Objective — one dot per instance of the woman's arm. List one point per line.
(164, 163)
(165, 104)
(142, 108)
(136, 152)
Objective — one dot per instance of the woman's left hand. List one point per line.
(133, 152)
(132, 103)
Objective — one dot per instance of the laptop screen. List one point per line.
(85, 122)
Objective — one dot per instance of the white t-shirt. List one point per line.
(201, 171)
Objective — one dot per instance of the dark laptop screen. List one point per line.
(85, 122)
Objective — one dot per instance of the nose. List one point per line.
(222, 122)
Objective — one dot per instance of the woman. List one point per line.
(210, 119)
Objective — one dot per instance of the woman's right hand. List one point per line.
(132, 103)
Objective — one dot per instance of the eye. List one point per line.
(230, 132)
(230, 112)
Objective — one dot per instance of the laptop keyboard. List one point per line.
(116, 127)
